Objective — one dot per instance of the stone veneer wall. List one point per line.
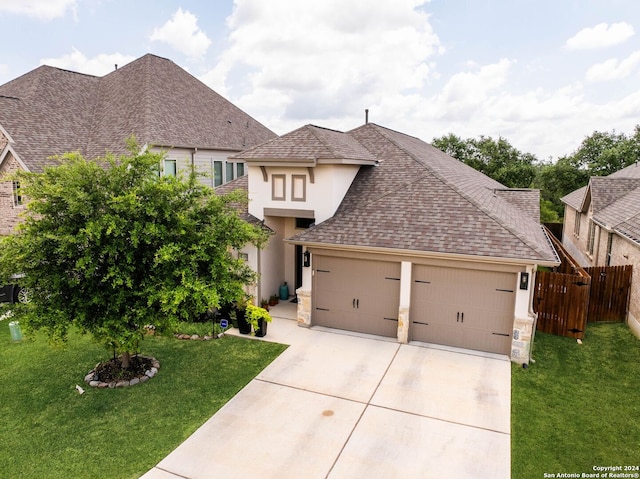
(304, 307)
(625, 251)
(521, 342)
(8, 212)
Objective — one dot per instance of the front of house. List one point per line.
(602, 227)
(378, 232)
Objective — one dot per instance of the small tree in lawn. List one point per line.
(110, 247)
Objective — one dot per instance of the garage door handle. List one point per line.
(458, 317)
(357, 303)
(500, 334)
(462, 318)
(353, 303)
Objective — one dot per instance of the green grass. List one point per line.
(48, 430)
(578, 406)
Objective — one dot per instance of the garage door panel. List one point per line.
(464, 308)
(356, 295)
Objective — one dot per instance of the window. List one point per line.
(278, 188)
(298, 188)
(240, 169)
(170, 168)
(217, 173)
(576, 224)
(229, 173)
(17, 195)
(609, 246)
(591, 237)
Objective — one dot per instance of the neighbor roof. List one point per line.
(419, 198)
(49, 111)
(614, 200)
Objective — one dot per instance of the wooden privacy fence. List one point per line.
(609, 294)
(567, 298)
(561, 301)
(561, 297)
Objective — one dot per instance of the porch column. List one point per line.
(304, 295)
(405, 302)
(524, 320)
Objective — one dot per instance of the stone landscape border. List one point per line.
(92, 379)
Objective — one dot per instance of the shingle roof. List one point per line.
(421, 199)
(575, 198)
(615, 200)
(310, 144)
(240, 183)
(50, 111)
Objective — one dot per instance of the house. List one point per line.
(50, 111)
(602, 227)
(379, 232)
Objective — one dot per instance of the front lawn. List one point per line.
(48, 430)
(578, 406)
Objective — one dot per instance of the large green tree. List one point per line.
(497, 159)
(109, 246)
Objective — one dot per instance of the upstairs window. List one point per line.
(229, 176)
(17, 194)
(591, 238)
(170, 167)
(576, 224)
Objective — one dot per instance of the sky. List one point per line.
(543, 74)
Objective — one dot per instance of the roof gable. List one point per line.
(309, 145)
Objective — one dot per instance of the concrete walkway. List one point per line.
(338, 405)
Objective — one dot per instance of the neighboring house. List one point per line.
(50, 111)
(379, 232)
(602, 227)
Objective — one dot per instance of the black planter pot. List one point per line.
(262, 328)
(243, 325)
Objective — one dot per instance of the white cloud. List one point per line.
(182, 33)
(600, 36)
(614, 69)
(289, 63)
(99, 65)
(328, 59)
(42, 9)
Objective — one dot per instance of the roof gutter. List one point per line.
(426, 254)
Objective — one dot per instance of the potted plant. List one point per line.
(264, 303)
(258, 318)
(273, 300)
(241, 316)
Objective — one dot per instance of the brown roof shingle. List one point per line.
(50, 111)
(421, 199)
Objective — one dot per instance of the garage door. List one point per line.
(463, 308)
(356, 295)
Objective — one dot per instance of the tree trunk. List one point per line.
(126, 359)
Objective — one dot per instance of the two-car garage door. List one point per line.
(451, 306)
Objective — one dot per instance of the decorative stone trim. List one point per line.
(91, 378)
(195, 337)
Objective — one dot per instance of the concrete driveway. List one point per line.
(336, 405)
